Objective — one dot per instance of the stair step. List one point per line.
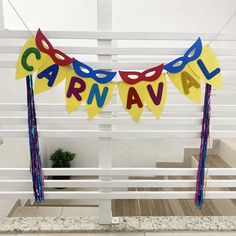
(188, 207)
(170, 165)
(230, 142)
(213, 161)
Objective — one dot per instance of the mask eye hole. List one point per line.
(192, 53)
(149, 74)
(178, 63)
(101, 76)
(133, 76)
(45, 45)
(59, 56)
(85, 70)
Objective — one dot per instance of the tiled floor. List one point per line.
(134, 208)
(80, 211)
(55, 211)
(85, 234)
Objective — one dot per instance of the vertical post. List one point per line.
(1, 16)
(104, 22)
(1, 28)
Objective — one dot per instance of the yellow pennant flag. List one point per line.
(188, 83)
(76, 90)
(49, 76)
(155, 96)
(30, 59)
(99, 96)
(132, 98)
(207, 67)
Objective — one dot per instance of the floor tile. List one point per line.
(80, 211)
(37, 212)
(191, 234)
(86, 234)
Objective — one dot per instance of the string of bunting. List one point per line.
(50, 67)
(83, 84)
(95, 87)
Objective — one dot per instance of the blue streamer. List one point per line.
(36, 170)
(203, 149)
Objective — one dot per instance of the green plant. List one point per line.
(61, 158)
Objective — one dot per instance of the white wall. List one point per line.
(173, 16)
(227, 150)
(129, 15)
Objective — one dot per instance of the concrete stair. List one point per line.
(171, 165)
(212, 161)
(142, 207)
(227, 150)
(225, 207)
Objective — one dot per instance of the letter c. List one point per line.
(25, 56)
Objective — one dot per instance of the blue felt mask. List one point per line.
(190, 55)
(85, 71)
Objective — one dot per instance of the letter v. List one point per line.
(156, 98)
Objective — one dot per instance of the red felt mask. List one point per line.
(45, 46)
(142, 76)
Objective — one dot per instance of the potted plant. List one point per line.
(61, 159)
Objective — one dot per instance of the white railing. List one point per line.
(226, 54)
(180, 119)
(174, 123)
(21, 186)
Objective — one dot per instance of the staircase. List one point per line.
(142, 207)
(176, 207)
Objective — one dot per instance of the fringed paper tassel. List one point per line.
(36, 169)
(203, 148)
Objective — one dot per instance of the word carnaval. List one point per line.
(95, 87)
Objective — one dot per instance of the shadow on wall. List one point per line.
(14, 152)
(126, 152)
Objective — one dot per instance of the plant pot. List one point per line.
(61, 177)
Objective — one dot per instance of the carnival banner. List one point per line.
(136, 89)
